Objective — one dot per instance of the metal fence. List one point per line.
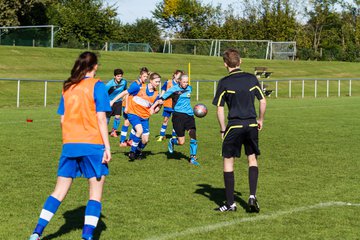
(206, 89)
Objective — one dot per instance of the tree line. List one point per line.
(322, 29)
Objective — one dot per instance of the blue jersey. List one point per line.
(113, 88)
(181, 99)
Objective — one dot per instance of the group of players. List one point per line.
(140, 100)
(87, 104)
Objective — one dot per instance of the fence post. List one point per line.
(315, 88)
(289, 88)
(350, 88)
(276, 89)
(197, 90)
(327, 88)
(45, 93)
(302, 88)
(18, 95)
(214, 88)
(338, 88)
(262, 85)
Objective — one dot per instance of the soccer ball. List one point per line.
(200, 110)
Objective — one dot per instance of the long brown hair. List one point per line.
(84, 64)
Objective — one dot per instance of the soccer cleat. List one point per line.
(123, 144)
(139, 156)
(253, 206)
(171, 146)
(34, 236)
(193, 160)
(227, 208)
(113, 133)
(161, 138)
(132, 156)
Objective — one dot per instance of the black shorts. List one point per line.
(245, 133)
(115, 109)
(182, 122)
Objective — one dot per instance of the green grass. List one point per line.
(55, 64)
(309, 156)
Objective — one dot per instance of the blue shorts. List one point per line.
(125, 116)
(167, 112)
(135, 120)
(87, 166)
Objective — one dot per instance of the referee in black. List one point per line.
(238, 90)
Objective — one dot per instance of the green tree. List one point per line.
(83, 21)
(142, 31)
(186, 18)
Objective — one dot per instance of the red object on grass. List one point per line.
(29, 120)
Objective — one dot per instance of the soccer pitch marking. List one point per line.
(213, 227)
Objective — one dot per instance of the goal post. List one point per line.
(36, 36)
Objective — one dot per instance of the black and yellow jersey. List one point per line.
(238, 90)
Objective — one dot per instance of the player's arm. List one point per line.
(155, 108)
(168, 93)
(121, 95)
(219, 102)
(262, 109)
(221, 119)
(102, 123)
(102, 105)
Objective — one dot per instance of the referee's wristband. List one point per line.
(222, 131)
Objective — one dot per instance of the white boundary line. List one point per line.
(216, 226)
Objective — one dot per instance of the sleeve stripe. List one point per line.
(220, 97)
(256, 87)
(222, 94)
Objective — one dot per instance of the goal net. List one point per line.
(248, 48)
(36, 36)
(189, 46)
(130, 47)
(283, 50)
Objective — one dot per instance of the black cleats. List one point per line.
(226, 208)
(136, 155)
(253, 206)
(132, 156)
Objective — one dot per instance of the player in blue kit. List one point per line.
(183, 116)
(114, 87)
(168, 108)
(86, 147)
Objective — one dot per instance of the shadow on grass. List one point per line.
(217, 195)
(74, 220)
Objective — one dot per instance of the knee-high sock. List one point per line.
(132, 134)
(135, 143)
(124, 130)
(253, 179)
(50, 207)
(116, 123)
(229, 182)
(141, 146)
(163, 130)
(92, 215)
(174, 141)
(193, 147)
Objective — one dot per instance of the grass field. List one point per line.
(308, 174)
(55, 64)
